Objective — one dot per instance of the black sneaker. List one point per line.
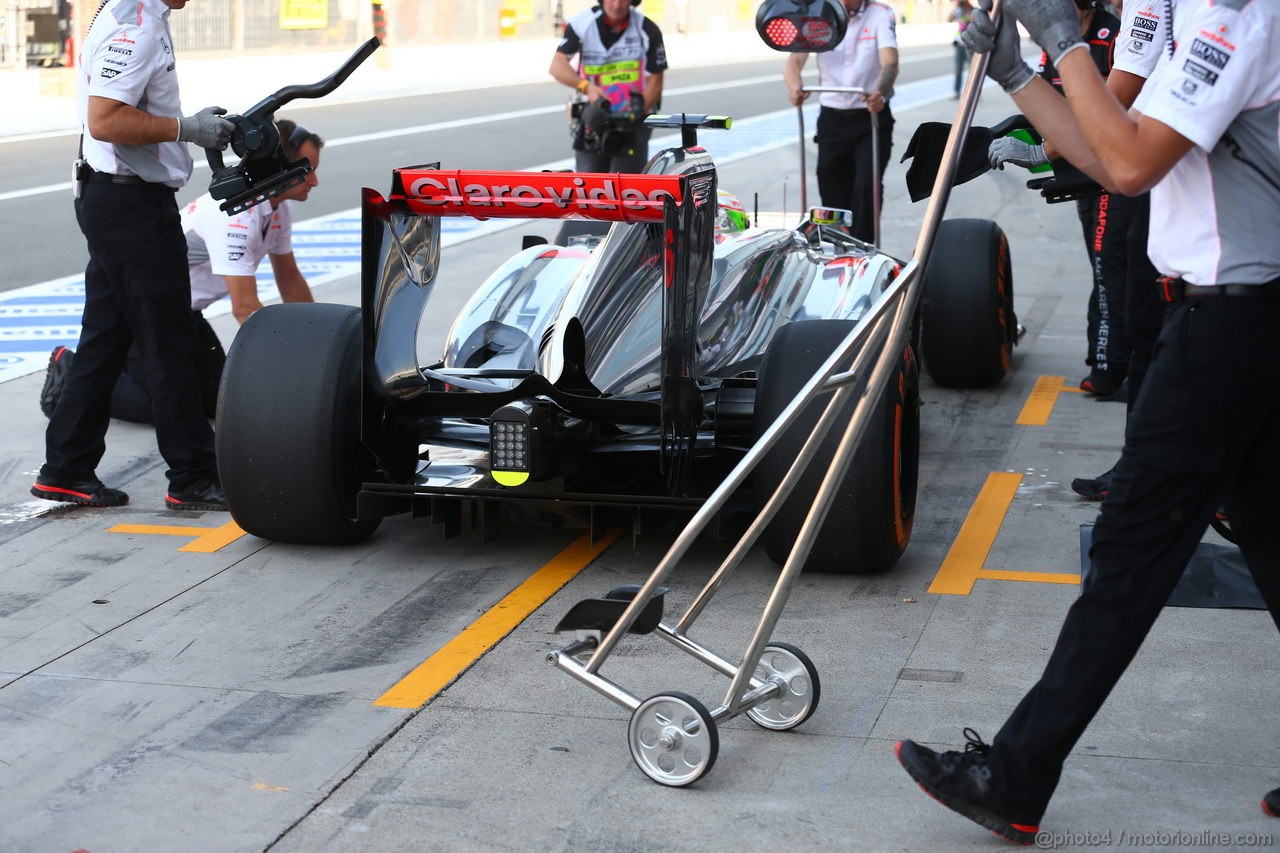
(1103, 385)
(54, 379)
(203, 495)
(959, 780)
(1271, 803)
(1094, 488)
(86, 493)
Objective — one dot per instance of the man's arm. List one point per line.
(1134, 150)
(792, 71)
(653, 91)
(120, 124)
(564, 73)
(290, 281)
(1125, 86)
(243, 290)
(884, 86)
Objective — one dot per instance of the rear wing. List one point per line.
(400, 261)
(606, 197)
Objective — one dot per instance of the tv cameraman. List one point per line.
(621, 60)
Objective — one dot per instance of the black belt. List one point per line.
(1176, 290)
(108, 178)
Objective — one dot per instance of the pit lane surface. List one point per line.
(228, 699)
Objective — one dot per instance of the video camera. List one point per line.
(600, 128)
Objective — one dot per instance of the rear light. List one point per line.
(521, 442)
(809, 26)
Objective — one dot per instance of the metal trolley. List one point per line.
(673, 736)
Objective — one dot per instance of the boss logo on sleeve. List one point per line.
(1210, 54)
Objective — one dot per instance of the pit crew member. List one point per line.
(618, 81)
(867, 57)
(1103, 220)
(137, 289)
(1202, 137)
(223, 253)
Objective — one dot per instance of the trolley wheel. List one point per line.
(801, 688)
(673, 739)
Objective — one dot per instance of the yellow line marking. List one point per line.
(1040, 403)
(205, 540)
(963, 565)
(964, 561)
(263, 786)
(1029, 577)
(457, 656)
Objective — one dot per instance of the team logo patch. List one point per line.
(1140, 36)
(1146, 24)
(1189, 86)
(1104, 32)
(1210, 54)
(1199, 72)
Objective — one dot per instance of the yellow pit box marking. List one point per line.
(205, 540)
(964, 563)
(459, 654)
(1043, 397)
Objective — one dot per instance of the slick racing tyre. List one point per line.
(869, 523)
(966, 310)
(288, 441)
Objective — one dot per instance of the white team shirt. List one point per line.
(1215, 218)
(220, 245)
(1144, 36)
(856, 60)
(128, 57)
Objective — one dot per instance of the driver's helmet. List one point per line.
(731, 216)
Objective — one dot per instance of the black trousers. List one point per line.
(846, 178)
(137, 288)
(1104, 219)
(632, 163)
(1205, 432)
(130, 400)
(1143, 308)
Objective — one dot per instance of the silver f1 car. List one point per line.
(596, 378)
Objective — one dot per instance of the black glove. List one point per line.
(206, 129)
(1005, 65)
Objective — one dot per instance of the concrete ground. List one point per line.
(152, 698)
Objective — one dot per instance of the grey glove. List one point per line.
(206, 128)
(1006, 149)
(1053, 24)
(1005, 65)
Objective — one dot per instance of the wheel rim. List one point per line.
(797, 678)
(673, 739)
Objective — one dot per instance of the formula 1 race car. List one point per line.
(597, 377)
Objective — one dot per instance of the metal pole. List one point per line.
(718, 498)
(951, 152)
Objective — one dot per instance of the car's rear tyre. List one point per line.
(870, 520)
(966, 308)
(288, 441)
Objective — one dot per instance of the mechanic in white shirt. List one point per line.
(1204, 137)
(135, 157)
(223, 255)
(867, 57)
